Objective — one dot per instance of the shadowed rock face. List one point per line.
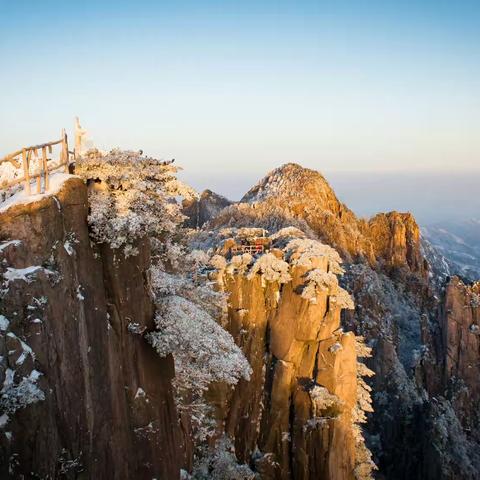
(460, 326)
(449, 371)
(200, 211)
(108, 409)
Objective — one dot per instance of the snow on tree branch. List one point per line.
(301, 251)
(325, 404)
(343, 299)
(364, 465)
(131, 196)
(239, 264)
(204, 349)
(271, 268)
(318, 280)
(17, 391)
(220, 463)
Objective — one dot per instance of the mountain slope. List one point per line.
(293, 195)
(459, 243)
(397, 311)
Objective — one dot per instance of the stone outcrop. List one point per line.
(395, 238)
(294, 419)
(200, 210)
(448, 370)
(395, 303)
(458, 350)
(72, 318)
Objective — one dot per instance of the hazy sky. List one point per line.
(234, 89)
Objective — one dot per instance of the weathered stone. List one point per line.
(75, 315)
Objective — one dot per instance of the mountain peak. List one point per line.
(290, 180)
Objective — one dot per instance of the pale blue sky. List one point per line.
(233, 89)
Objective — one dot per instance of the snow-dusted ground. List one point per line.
(56, 182)
(9, 173)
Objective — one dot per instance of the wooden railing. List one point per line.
(252, 249)
(41, 155)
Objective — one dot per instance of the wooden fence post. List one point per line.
(45, 168)
(37, 172)
(80, 134)
(26, 170)
(65, 150)
(41, 165)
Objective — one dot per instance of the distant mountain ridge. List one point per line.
(459, 243)
(201, 210)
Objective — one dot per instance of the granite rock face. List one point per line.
(460, 324)
(296, 417)
(98, 403)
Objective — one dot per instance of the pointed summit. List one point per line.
(292, 181)
(295, 188)
(292, 195)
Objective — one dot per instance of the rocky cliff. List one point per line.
(398, 311)
(460, 325)
(84, 396)
(298, 415)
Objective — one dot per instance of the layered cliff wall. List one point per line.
(84, 394)
(297, 416)
(460, 323)
(456, 351)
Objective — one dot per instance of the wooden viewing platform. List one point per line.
(42, 155)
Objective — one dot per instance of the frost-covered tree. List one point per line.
(271, 268)
(203, 352)
(202, 348)
(287, 233)
(15, 395)
(131, 196)
(325, 404)
(18, 390)
(302, 251)
(239, 264)
(220, 463)
(318, 280)
(364, 465)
